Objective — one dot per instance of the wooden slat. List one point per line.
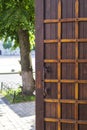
(71, 101)
(59, 120)
(76, 64)
(51, 100)
(74, 81)
(51, 81)
(82, 81)
(59, 91)
(65, 81)
(82, 40)
(51, 41)
(50, 120)
(82, 122)
(59, 125)
(82, 61)
(82, 19)
(74, 61)
(51, 21)
(39, 65)
(67, 101)
(59, 64)
(48, 21)
(65, 121)
(77, 8)
(82, 101)
(66, 61)
(76, 91)
(74, 19)
(50, 61)
(74, 101)
(61, 101)
(65, 41)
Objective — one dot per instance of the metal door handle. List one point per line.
(47, 91)
(47, 69)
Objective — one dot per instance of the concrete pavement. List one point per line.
(19, 116)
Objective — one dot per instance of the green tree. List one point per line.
(7, 44)
(17, 22)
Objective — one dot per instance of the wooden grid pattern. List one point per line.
(76, 63)
(59, 65)
(59, 61)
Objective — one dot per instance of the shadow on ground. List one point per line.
(1, 112)
(24, 109)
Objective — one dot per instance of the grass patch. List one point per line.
(16, 96)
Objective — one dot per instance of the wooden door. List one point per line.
(61, 64)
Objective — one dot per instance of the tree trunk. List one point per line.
(26, 68)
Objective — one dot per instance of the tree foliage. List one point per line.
(17, 22)
(15, 15)
(7, 44)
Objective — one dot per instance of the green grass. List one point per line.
(19, 97)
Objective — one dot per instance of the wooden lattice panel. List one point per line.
(61, 65)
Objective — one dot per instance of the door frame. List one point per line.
(39, 64)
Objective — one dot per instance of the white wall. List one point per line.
(8, 52)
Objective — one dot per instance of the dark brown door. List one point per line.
(61, 64)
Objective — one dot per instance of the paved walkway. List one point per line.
(19, 116)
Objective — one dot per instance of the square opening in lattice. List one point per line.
(50, 51)
(68, 71)
(82, 30)
(51, 90)
(83, 71)
(82, 50)
(50, 71)
(50, 110)
(82, 127)
(68, 30)
(68, 91)
(82, 8)
(82, 91)
(68, 111)
(50, 31)
(68, 8)
(66, 126)
(51, 126)
(49, 7)
(82, 112)
(68, 50)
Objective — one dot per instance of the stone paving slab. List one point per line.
(19, 116)
(24, 109)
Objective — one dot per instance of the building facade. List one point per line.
(8, 52)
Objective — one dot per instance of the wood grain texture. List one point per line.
(61, 47)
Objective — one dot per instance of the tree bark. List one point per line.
(26, 68)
